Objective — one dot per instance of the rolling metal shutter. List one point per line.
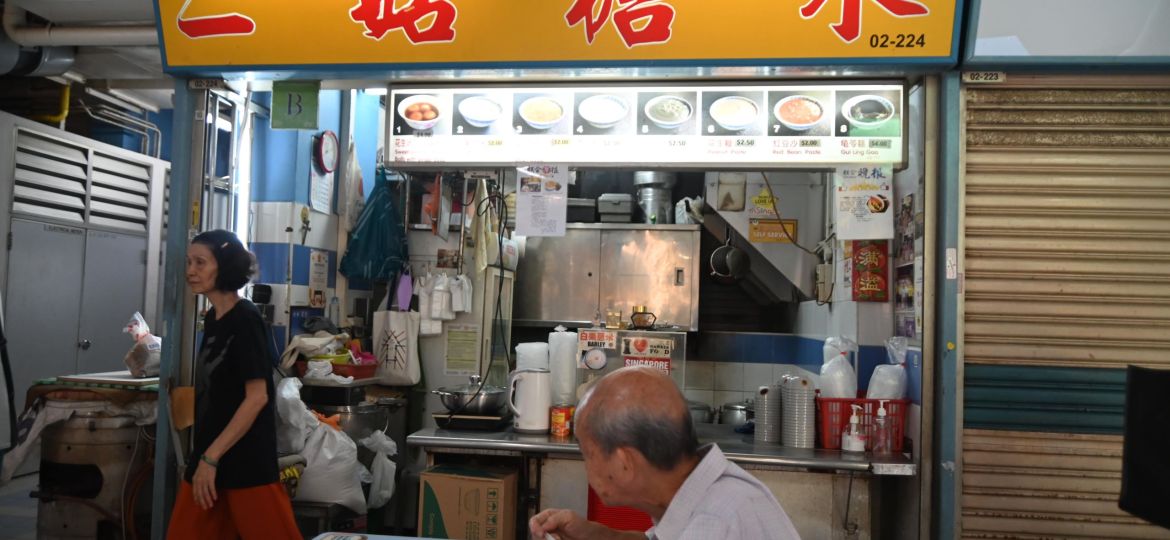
(1066, 260)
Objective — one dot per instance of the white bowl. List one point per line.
(798, 126)
(480, 111)
(420, 125)
(663, 122)
(735, 113)
(541, 123)
(603, 111)
(869, 104)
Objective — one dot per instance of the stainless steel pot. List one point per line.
(729, 262)
(470, 399)
(735, 414)
(701, 413)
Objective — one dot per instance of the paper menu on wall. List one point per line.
(863, 197)
(542, 200)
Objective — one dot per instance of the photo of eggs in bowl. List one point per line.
(421, 112)
(799, 112)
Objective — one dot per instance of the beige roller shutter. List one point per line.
(1066, 260)
(1067, 233)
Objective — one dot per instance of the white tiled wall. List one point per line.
(716, 383)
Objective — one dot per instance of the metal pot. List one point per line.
(735, 414)
(701, 413)
(660, 179)
(729, 262)
(473, 400)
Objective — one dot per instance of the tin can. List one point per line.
(561, 421)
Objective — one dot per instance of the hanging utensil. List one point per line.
(729, 262)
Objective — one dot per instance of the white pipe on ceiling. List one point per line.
(76, 36)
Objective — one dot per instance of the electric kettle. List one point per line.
(530, 397)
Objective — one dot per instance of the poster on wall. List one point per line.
(320, 190)
(871, 268)
(462, 348)
(542, 200)
(863, 197)
(318, 277)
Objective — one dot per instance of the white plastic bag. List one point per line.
(396, 347)
(322, 370)
(294, 421)
(384, 469)
(889, 380)
(428, 325)
(331, 470)
(441, 301)
(145, 356)
(461, 290)
(838, 379)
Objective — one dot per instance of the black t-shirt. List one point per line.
(234, 350)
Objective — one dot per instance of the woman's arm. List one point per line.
(255, 397)
(203, 481)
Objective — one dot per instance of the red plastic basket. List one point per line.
(617, 517)
(833, 415)
(364, 371)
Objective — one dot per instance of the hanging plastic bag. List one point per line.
(355, 200)
(428, 325)
(838, 379)
(441, 302)
(377, 246)
(396, 347)
(295, 422)
(145, 356)
(889, 380)
(383, 470)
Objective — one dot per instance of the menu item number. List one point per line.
(897, 41)
(420, 112)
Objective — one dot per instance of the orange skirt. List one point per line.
(255, 512)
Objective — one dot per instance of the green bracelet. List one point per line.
(208, 460)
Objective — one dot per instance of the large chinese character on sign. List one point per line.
(871, 266)
(218, 25)
(638, 22)
(423, 21)
(848, 27)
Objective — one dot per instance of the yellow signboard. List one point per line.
(241, 36)
(769, 231)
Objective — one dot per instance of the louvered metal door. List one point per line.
(1067, 280)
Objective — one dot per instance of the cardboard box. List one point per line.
(467, 503)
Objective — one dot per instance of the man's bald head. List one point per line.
(642, 409)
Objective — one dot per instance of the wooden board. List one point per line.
(123, 378)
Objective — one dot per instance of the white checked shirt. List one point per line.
(721, 500)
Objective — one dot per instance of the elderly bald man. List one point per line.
(641, 451)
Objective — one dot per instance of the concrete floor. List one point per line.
(18, 511)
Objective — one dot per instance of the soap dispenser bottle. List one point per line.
(883, 437)
(853, 438)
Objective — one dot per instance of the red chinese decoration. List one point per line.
(848, 27)
(226, 24)
(638, 22)
(380, 17)
(871, 266)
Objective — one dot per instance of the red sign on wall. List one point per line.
(871, 270)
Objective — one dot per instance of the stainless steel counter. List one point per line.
(738, 448)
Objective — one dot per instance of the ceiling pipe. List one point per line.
(76, 36)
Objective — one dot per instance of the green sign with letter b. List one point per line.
(294, 104)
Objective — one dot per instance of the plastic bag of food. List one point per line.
(889, 380)
(331, 470)
(383, 470)
(145, 356)
(838, 380)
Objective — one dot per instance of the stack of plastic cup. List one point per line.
(798, 425)
(768, 414)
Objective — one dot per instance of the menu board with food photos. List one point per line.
(684, 126)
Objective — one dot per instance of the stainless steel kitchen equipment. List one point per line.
(472, 399)
(615, 207)
(596, 268)
(655, 205)
(735, 414)
(701, 413)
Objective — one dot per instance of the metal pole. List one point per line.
(178, 317)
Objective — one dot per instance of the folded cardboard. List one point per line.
(465, 502)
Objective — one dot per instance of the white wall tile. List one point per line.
(728, 376)
(875, 322)
(812, 320)
(705, 396)
(722, 397)
(700, 375)
(756, 375)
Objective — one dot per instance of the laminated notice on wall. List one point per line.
(318, 277)
(863, 198)
(542, 200)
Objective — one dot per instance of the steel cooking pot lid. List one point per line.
(471, 388)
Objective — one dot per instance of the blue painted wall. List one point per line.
(367, 109)
(280, 170)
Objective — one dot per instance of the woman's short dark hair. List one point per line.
(236, 264)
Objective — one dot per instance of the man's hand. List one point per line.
(568, 525)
